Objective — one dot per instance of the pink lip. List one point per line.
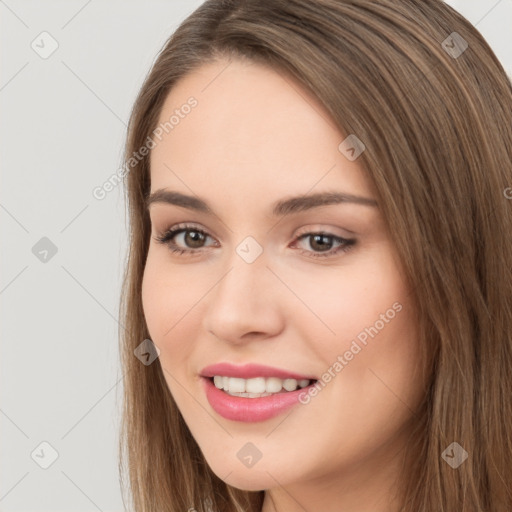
(250, 371)
(237, 408)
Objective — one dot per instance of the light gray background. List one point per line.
(63, 122)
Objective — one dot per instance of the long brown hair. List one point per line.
(419, 85)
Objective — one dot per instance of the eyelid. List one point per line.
(346, 243)
(313, 228)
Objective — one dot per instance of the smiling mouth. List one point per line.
(258, 387)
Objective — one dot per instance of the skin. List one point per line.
(256, 137)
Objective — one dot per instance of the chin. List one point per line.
(245, 479)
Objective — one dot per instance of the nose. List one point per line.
(245, 304)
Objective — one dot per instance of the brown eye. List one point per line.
(322, 247)
(193, 239)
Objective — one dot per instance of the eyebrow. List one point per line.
(279, 208)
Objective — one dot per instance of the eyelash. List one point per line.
(171, 233)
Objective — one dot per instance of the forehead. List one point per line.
(252, 132)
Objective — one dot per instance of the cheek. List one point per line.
(151, 304)
(167, 301)
(376, 360)
(366, 295)
(371, 317)
(164, 295)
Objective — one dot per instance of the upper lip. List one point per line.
(249, 371)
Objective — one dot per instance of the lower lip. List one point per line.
(238, 408)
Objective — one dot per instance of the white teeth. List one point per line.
(257, 386)
(290, 384)
(273, 385)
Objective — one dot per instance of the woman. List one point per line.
(274, 372)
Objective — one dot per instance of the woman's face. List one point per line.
(253, 289)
